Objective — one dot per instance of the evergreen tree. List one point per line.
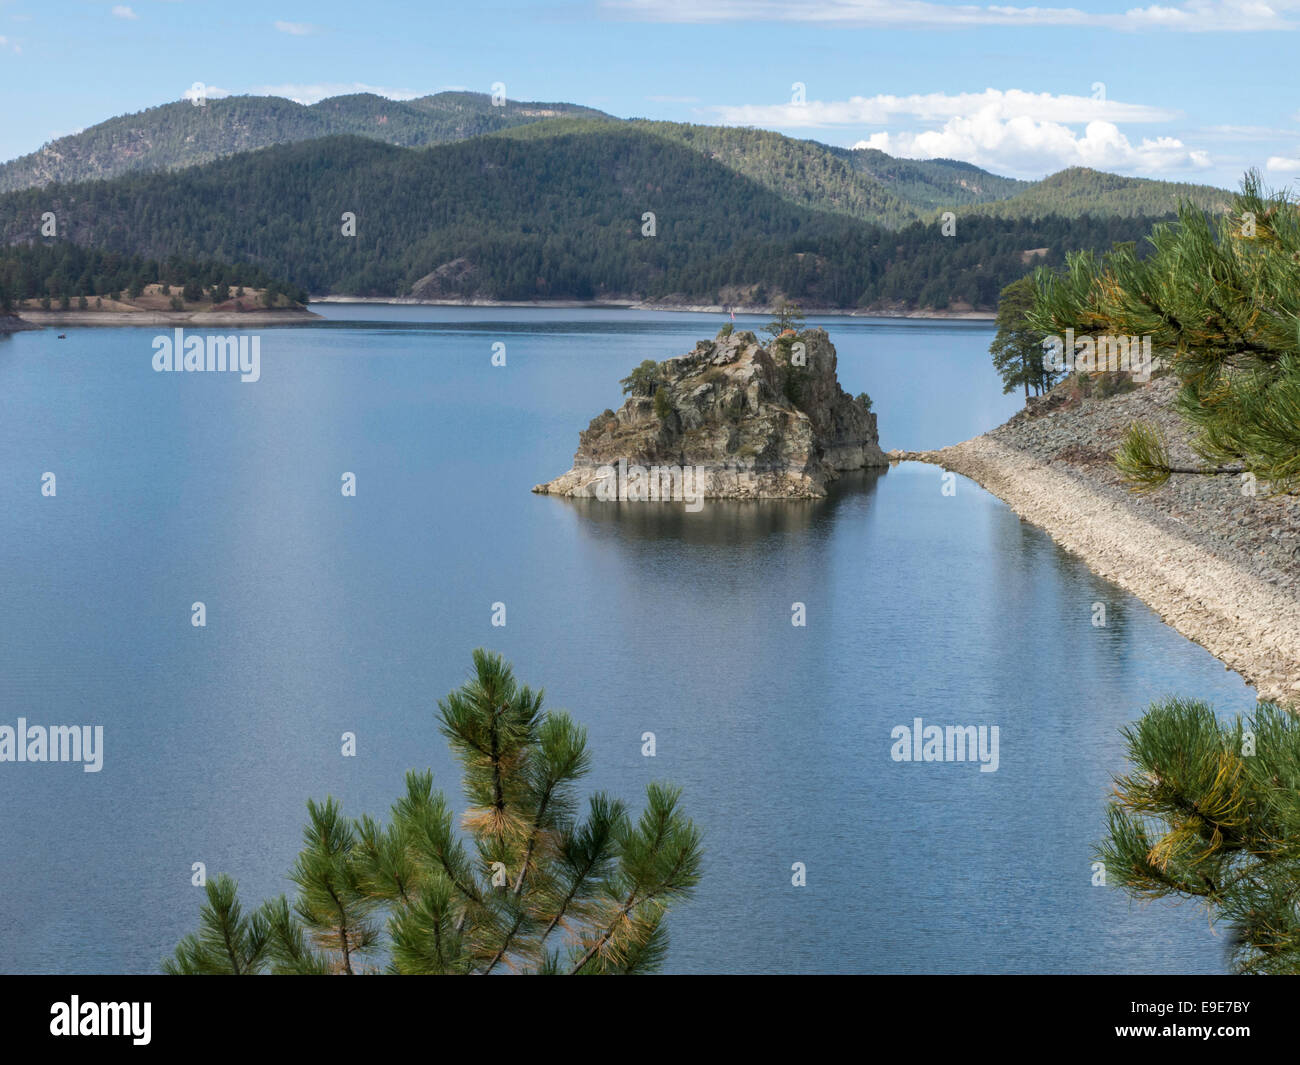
(641, 381)
(1017, 348)
(1211, 811)
(786, 318)
(1220, 300)
(227, 942)
(539, 889)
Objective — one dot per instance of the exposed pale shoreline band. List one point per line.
(1250, 626)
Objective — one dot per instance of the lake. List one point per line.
(328, 615)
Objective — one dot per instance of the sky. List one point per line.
(1188, 91)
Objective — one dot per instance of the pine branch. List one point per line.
(599, 945)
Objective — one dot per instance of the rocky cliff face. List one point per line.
(737, 419)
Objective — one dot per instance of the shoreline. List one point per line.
(650, 305)
(11, 323)
(39, 319)
(1250, 624)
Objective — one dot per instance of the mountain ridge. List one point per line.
(182, 134)
(861, 183)
(595, 213)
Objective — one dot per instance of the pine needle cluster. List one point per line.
(1211, 811)
(1220, 298)
(530, 884)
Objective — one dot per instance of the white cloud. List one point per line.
(297, 29)
(1244, 133)
(206, 92)
(1279, 164)
(310, 94)
(123, 11)
(1011, 131)
(1012, 103)
(1027, 146)
(1193, 16)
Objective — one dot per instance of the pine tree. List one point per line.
(1220, 300)
(1211, 811)
(786, 318)
(641, 381)
(1017, 349)
(537, 889)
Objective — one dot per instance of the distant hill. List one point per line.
(929, 184)
(1078, 190)
(865, 184)
(182, 134)
(869, 185)
(801, 172)
(554, 213)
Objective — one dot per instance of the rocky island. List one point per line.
(732, 419)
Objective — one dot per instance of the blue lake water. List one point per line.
(327, 614)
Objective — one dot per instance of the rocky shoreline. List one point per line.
(11, 323)
(37, 319)
(1217, 563)
(658, 305)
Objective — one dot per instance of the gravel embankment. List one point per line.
(1218, 564)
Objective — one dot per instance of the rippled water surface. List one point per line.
(328, 615)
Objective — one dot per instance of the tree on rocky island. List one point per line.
(641, 381)
(663, 405)
(539, 890)
(786, 318)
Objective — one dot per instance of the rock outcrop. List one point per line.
(742, 420)
(11, 323)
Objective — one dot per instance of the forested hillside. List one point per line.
(54, 273)
(1082, 191)
(801, 172)
(542, 217)
(929, 185)
(183, 134)
(861, 183)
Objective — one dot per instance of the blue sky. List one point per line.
(1184, 91)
